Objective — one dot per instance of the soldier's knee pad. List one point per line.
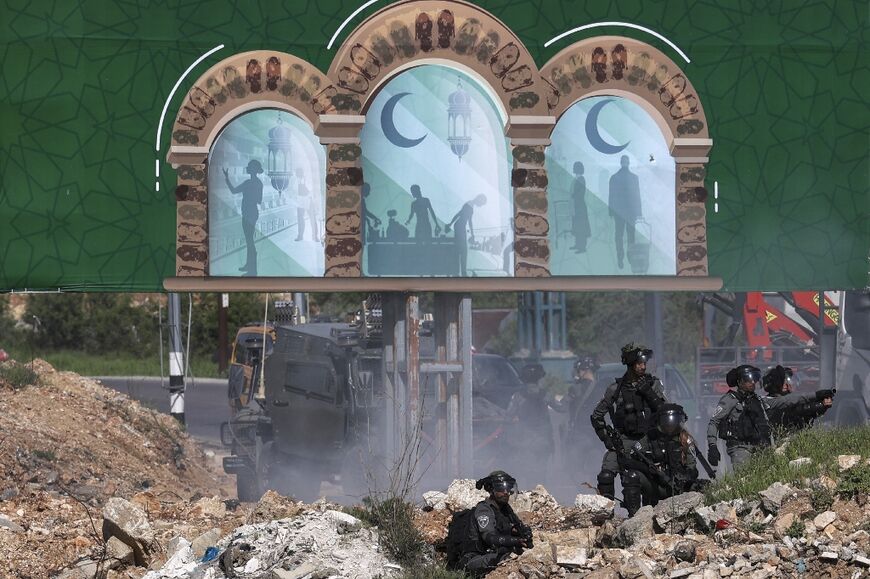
(606, 486)
(606, 477)
(631, 479)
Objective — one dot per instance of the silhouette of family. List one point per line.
(427, 230)
(623, 203)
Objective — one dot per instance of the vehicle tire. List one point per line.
(247, 488)
(303, 482)
(263, 467)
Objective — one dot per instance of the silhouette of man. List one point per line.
(306, 205)
(421, 208)
(370, 221)
(582, 231)
(462, 225)
(624, 205)
(252, 195)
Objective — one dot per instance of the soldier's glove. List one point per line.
(713, 455)
(822, 394)
(608, 443)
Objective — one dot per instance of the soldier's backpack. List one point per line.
(458, 532)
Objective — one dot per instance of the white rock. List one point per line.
(343, 522)
(7, 523)
(798, 462)
(211, 507)
(297, 573)
(678, 573)
(435, 500)
(829, 556)
(773, 496)
(461, 494)
(863, 561)
(596, 505)
(847, 461)
(824, 519)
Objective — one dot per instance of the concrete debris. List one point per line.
(7, 523)
(685, 551)
(847, 461)
(435, 500)
(774, 495)
(208, 539)
(119, 553)
(672, 513)
(822, 520)
(129, 523)
(320, 540)
(596, 506)
(461, 494)
(640, 526)
(799, 462)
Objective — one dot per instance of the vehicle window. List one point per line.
(307, 376)
(249, 346)
(495, 371)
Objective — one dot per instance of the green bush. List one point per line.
(821, 499)
(796, 529)
(18, 375)
(399, 537)
(766, 467)
(854, 481)
(431, 571)
(46, 455)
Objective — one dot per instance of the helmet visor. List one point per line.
(750, 374)
(501, 485)
(643, 355)
(670, 423)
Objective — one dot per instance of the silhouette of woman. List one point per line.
(252, 195)
(462, 224)
(421, 208)
(581, 228)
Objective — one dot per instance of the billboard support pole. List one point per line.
(176, 360)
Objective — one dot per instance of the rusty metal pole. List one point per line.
(412, 361)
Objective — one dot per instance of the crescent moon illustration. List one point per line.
(389, 126)
(592, 131)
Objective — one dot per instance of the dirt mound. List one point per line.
(67, 445)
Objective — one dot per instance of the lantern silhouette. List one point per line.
(279, 156)
(459, 121)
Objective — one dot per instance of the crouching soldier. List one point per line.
(790, 411)
(663, 464)
(740, 418)
(495, 531)
(631, 402)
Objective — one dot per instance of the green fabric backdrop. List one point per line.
(84, 83)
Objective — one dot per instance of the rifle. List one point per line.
(711, 472)
(636, 458)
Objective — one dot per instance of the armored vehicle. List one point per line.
(302, 397)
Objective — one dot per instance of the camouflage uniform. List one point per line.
(644, 396)
(741, 420)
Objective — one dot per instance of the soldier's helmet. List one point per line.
(742, 372)
(585, 362)
(671, 418)
(497, 481)
(632, 353)
(775, 379)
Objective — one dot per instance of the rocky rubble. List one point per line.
(95, 486)
(67, 446)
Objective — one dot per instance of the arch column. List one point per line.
(529, 138)
(344, 179)
(191, 214)
(691, 196)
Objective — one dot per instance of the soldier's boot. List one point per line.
(606, 486)
(631, 492)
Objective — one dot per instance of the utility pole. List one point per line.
(223, 302)
(176, 360)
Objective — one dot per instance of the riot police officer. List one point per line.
(663, 464)
(790, 411)
(740, 418)
(495, 530)
(631, 401)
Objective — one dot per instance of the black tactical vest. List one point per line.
(632, 414)
(748, 423)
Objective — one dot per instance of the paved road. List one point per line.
(205, 401)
